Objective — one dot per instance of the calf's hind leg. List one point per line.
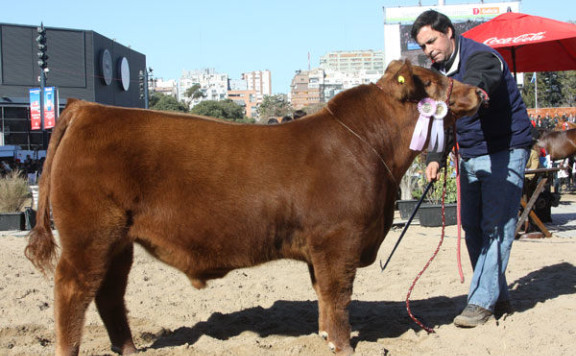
(110, 302)
(76, 280)
(93, 261)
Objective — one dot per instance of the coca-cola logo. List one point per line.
(527, 37)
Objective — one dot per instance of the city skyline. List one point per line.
(238, 37)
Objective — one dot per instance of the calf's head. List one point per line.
(408, 83)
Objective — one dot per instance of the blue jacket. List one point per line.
(504, 124)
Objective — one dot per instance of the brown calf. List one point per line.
(207, 197)
(558, 144)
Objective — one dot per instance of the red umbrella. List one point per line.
(529, 43)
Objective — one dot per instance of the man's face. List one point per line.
(436, 45)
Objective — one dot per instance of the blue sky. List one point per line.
(236, 36)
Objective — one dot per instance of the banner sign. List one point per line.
(50, 107)
(406, 15)
(35, 120)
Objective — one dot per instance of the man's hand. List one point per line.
(432, 171)
(484, 96)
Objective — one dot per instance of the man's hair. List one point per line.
(438, 21)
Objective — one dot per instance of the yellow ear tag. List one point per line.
(401, 79)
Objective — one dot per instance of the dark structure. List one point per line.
(82, 64)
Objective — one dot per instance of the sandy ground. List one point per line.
(271, 309)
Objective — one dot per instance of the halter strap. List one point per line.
(451, 85)
(364, 141)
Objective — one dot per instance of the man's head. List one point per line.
(434, 33)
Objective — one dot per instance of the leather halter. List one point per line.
(450, 87)
(365, 142)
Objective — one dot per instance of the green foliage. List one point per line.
(435, 193)
(274, 106)
(314, 108)
(555, 89)
(225, 109)
(194, 92)
(14, 192)
(410, 181)
(163, 102)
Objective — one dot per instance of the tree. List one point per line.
(225, 109)
(274, 106)
(555, 89)
(194, 92)
(314, 108)
(552, 89)
(568, 79)
(163, 102)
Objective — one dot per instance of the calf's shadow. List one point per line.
(372, 320)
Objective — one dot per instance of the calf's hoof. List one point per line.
(345, 351)
(125, 350)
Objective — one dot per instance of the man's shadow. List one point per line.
(372, 320)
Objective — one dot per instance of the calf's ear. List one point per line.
(400, 79)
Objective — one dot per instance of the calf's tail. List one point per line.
(41, 248)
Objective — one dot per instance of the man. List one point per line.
(494, 146)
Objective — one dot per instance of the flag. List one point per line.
(533, 80)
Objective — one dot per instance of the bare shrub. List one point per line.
(14, 192)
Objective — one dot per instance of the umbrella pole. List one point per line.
(535, 91)
(514, 63)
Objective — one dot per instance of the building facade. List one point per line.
(214, 86)
(82, 64)
(353, 61)
(259, 81)
(338, 71)
(251, 90)
(167, 87)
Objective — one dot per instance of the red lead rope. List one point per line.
(457, 165)
(412, 316)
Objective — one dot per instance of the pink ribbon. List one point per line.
(426, 108)
(437, 134)
(429, 108)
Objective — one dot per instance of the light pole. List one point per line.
(43, 64)
(143, 78)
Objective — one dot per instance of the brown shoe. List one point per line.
(472, 316)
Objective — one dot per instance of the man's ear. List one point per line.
(450, 33)
(399, 78)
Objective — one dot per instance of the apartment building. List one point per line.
(353, 61)
(260, 81)
(338, 71)
(305, 88)
(251, 90)
(214, 86)
(239, 93)
(167, 87)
